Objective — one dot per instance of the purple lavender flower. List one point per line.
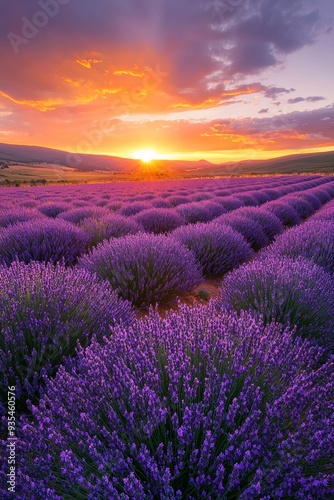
(133, 208)
(160, 203)
(231, 203)
(159, 220)
(248, 199)
(284, 211)
(77, 215)
(177, 200)
(54, 209)
(290, 291)
(11, 216)
(271, 224)
(194, 212)
(214, 209)
(313, 240)
(250, 229)
(217, 248)
(42, 239)
(45, 311)
(107, 227)
(311, 198)
(145, 268)
(303, 207)
(326, 213)
(201, 404)
(200, 197)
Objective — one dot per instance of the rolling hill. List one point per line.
(26, 160)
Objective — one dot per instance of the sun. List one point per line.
(145, 155)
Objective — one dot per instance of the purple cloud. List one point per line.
(198, 54)
(295, 100)
(273, 92)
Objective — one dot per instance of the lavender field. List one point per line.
(126, 390)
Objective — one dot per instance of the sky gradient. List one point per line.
(192, 79)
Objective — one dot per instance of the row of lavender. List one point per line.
(46, 309)
(75, 205)
(44, 239)
(183, 445)
(145, 267)
(114, 195)
(291, 281)
(201, 404)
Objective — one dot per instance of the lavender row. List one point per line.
(161, 220)
(201, 404)
(192, 208)
(292, 280)
(145, 268)
(205, 403)
(46, 311)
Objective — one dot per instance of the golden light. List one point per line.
(145, 155)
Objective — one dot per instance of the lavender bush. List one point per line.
(160, 203)
(261, 197)
(230, 203)
(323, 194)
(110, 226)
(145, 268)
(54, 209)
(45, 240)
(313, 240)
(284, 211)
(194, 212)
(159, 220)
(200, 197)
(11, 216)
(250, 229)
(303, 207)
(199, 405)
(133, 208)
(45, 311)
(311, 198)
(214, 209)
(325, 214)
(217, 248)
(248, 199)
(271, 224)
(77, 215)
(290, 291)
(175, 201)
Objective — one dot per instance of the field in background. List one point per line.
(21, 165)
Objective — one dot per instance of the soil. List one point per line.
(206, 291)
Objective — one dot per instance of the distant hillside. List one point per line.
(34, 156)
(292, 164)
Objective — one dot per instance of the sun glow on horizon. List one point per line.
(145, 155)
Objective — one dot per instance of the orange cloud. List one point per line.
(137, 74)
(43, 105)
(87, 63)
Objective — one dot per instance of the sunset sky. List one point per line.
(218, 80)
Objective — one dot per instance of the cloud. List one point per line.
(90, 51)
(263, 111)
(273, 92)
(296, 100)
(297, 130)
